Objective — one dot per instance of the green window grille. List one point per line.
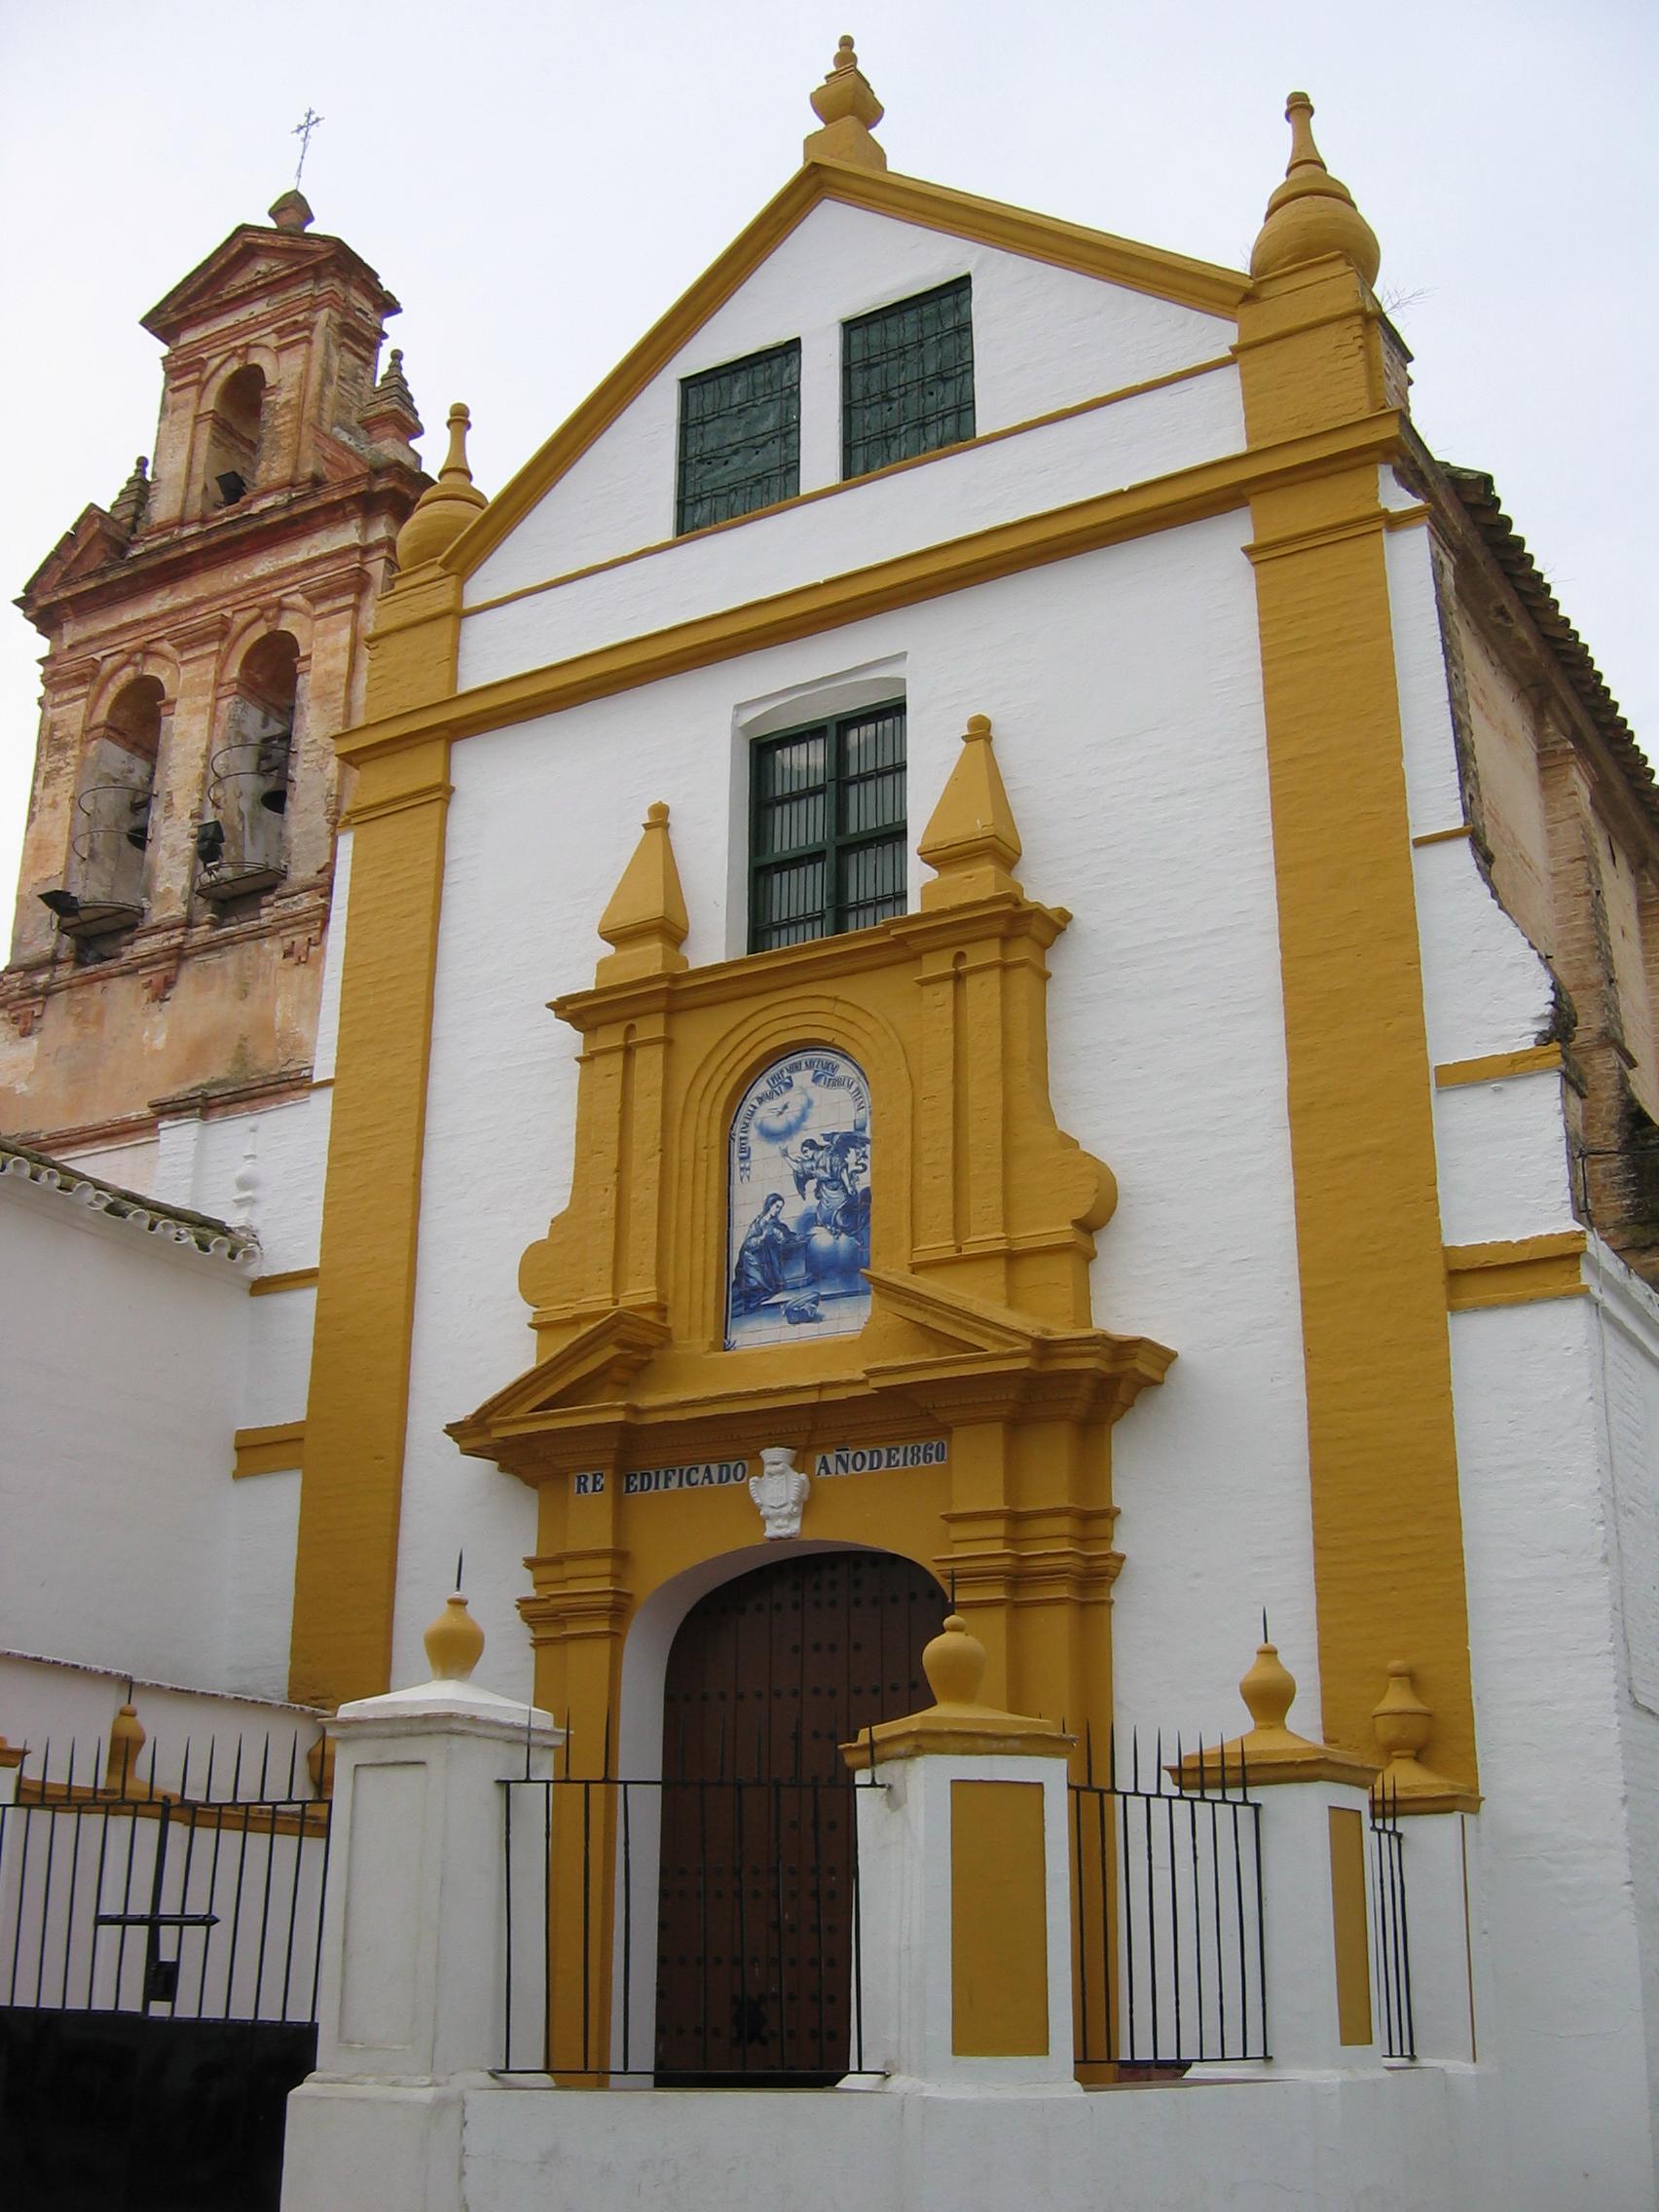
(906, 378)
(739, 438)
(828, 846)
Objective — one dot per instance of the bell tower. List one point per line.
(203, 646)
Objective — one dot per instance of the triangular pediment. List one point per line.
(593, 1367)
(1202, 286)
(93, 542)
(252, 261)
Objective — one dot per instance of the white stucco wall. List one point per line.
(1124, 688)
(841, 261)
(125, 1358)
(1566, 1848)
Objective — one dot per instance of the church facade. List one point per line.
(1100, 927)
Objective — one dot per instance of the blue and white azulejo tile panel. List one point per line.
(799, 1222)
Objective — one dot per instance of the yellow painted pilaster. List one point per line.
(346, 1565)
(1387, 1534)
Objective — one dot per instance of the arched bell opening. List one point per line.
(742, 1678)
(105, 887)
(241, 841)
(234, 433)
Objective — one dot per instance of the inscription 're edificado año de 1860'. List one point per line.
(719, 1474)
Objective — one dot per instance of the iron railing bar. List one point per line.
(741, 2022)
(703, 1910)
(74, 1878)
(293, 1891)
(508, 1789)
(97, 1887)
(45, 1886)
(236, 1901)
(157, 1875)
(587, 1923)
(818, 1901)
(321, 1900)
(264, 1904)
(628, 1919)
(1081, 1921)
(126, 1894)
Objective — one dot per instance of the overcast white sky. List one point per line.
(538, 182)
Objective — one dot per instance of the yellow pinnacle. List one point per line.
(1311, 212)
(446, 507)
(971, 837)
(848, 109)
(646, 920)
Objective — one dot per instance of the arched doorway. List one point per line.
(767, 1675)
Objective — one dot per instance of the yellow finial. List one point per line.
(957, 1722)
(646, 919)
(455, 1643)
(970, 839)
(1268, 1750)
(848, 109)
(445, 508)
(127, 1740)
(954, 1664)
(1311, 212)
(1269, 1690)
(1404, 1724)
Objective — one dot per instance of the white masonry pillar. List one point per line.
(414, 1966)
(1315, 1872)
(965, 1975)
(1426, 1984)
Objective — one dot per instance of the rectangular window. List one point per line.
(827, 848)
(739, 438)
(906, 378)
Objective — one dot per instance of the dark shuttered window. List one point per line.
(739, 438)
(906, 380)
(827, 836)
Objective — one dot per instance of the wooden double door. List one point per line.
(756, 1921)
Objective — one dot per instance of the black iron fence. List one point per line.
(203, 1902)
(686, 1932)
(159, 1951)
(1167, 1911)
(1390, 1929)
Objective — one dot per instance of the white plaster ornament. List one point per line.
(780, 1492)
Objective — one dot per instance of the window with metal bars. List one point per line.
(739, 438)
(826, 834)
(908, 379)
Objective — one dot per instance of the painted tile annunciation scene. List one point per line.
(798, 1231)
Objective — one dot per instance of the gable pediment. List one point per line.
(251, 262)
(93, 542)
(761, 261)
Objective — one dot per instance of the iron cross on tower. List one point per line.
(302, 130)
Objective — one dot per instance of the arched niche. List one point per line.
(241, 840)
(234, 429)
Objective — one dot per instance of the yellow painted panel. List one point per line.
(999, 1921)
(1348, 1924)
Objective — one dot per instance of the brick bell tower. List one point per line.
(204, 644)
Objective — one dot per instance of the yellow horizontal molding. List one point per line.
(294, 1279)
(1199, 285)
(1162, 503)
(1405, 518)
(1492, 1067)
(269, 1451)
(1517, 1273)
(1460, 831)
(850, 484)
